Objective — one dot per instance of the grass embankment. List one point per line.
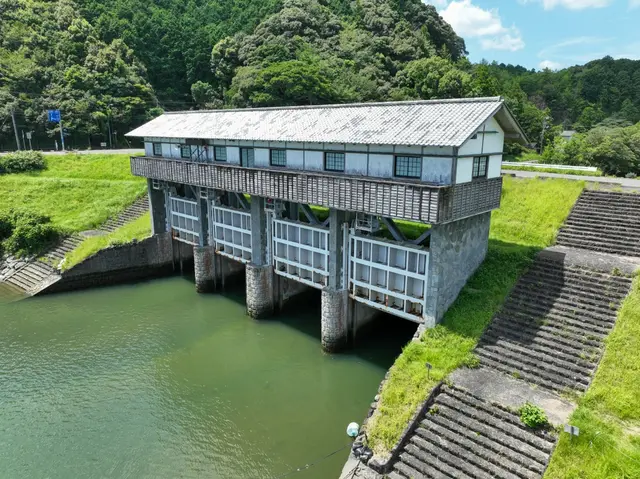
(78, 192)
(608, 415)
(532, 211)
(136, 230)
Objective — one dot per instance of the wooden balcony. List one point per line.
(402, 200)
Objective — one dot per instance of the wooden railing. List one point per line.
(409, 201)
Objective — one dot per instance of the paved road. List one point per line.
(624, 182)
(129, 151)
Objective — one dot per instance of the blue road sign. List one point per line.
(54, 116)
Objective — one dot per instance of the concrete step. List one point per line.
(599, 247)
(463, 436)
(623, 241)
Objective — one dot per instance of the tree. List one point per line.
(286, 83)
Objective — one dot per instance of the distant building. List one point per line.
(567, 134)
(236, 183)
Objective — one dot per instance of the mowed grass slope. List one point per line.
(531, 213)
(78, 192)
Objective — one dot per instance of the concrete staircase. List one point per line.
(31, 276)
(604, 221)
(132, 213)
(465, 437)
(550, 330)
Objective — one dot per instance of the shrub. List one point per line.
(533, 416)
(21, 161)
(26, 233)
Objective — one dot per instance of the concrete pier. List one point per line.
(334, 319)
(204, 264)
(260, 297)
(158, 209)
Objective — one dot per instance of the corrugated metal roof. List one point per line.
(419, 123)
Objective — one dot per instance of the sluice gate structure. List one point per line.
(311, 197)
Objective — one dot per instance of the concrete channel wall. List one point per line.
(157, 256)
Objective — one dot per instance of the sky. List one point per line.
(545, 33)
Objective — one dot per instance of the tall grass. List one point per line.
(532, 211)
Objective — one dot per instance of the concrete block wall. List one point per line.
(457, 249)
(334, 319)
(159, 255)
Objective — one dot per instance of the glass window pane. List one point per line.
(480, 166)
(278, 158)
(185, 151)
(220, 153)
(334, 161)
(157, 149)
(408, 166)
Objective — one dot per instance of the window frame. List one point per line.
(215, 153)
(253, 153)
(278, 150)
(475, 168)
(408, 176)
(344, 161)
(182, 150)
(155, 144)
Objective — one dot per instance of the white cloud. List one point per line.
(550, 64)
(634, 3)
(572, 4)
(557, 50)
(471, 21)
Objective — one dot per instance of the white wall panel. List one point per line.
(261, 157)
(436, 170)
(295, 159)
(464, 172)
(314, 160)
(233, 155)
(495, 166)
(381, 166)
(355, 164)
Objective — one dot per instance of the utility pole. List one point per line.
(544, 127)
(61, 133)
(15, 127)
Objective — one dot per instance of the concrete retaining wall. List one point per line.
(157, 256)
(457, 249)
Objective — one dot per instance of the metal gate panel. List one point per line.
(231, 233)
(301, 252)
(185, 222)
(387, 276)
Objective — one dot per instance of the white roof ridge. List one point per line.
(345, 105)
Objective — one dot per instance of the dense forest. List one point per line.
(109, 66)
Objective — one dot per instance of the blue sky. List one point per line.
(545, 33)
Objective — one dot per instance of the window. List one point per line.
(157, 149)
(480, 166)
(246, 157)
(185, 151)
(334, 161)
(220, 153)
(408, 166)
(278, 158)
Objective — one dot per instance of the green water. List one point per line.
(155, 381)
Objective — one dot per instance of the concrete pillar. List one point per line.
(260, 281)
(204, 262)
(203, 214)
(334, 319)
(158, 209)
(335, 297)
(455, 252)
(260, 297)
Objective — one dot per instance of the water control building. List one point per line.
(244, 186)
